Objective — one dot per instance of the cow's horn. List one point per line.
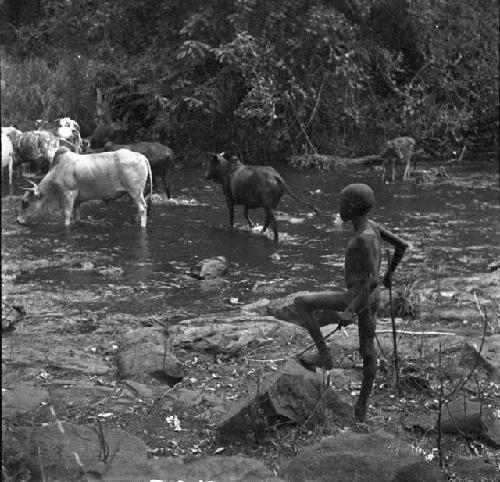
(28, 189)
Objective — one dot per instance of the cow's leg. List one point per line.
(271, 221)
(11, 169)
(77, 212)
(167, 188)
(393, 169)
(230, 205)
(69, 200)
(406, 175)
(142, 208)
(247, 218)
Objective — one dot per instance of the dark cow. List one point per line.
(398, 150)
(251, 186)
(115, 131)
(159, 156)
(76, 178)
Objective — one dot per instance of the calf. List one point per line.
(251, 186)
(76, 178)
(159, 156)
(398, 150)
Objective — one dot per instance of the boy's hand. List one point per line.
(387, 281)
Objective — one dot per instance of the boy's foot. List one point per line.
(312, 360)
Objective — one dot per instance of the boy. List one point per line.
(362, 298)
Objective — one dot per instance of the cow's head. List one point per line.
(31, 204)
(218, 166)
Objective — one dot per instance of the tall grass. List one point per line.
(34, 88)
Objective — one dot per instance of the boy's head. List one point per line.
(355, 200)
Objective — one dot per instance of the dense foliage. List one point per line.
(263, 78)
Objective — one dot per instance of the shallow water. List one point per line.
(453, 228)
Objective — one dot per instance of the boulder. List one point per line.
(62, 451)
(420, 472)
(210, 268)
(148, 352)
(196, 469)
(228, 334)
(487, 361)
(471, 420)
(352, 457)
(22, 397)
(474, 469)
(294, 394)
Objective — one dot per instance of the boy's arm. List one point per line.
(400, 246)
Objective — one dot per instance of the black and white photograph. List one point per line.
(250, 240)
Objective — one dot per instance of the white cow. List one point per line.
(77, 178)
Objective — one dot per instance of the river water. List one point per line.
(452, 226)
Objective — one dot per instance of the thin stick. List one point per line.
(418, 333)
(314, 344)
(393, 322)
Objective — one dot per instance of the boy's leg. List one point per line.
(366, 328)
(307, 304)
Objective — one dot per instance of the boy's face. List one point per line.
(345, 209)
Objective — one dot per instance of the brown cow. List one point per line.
(250, 186)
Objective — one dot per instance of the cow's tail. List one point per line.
(289, 191)
(149, 198)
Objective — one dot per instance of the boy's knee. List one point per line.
(300, 303)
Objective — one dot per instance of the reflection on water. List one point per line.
(451, 225)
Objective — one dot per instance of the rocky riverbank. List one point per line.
(224, 396)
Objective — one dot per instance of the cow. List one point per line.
(76, 178)
(398, 150)
(7, 156)
(160, 157)
(114, 131)
(64, 128)
(36, 147)
(251, 186)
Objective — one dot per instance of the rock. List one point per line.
(352, 457)
(186, 398)
(259, 307)
(292, 395)
(488, 360)
(190, 469)
(141, 390)
(147, 352)
(420, 472)
(474, 469)
(68, 357)
(22, 397)
(210, 268)
(76, 393)
(74, 452)
(471, 420)
(229, 334)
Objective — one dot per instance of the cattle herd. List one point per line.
(79, 170)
